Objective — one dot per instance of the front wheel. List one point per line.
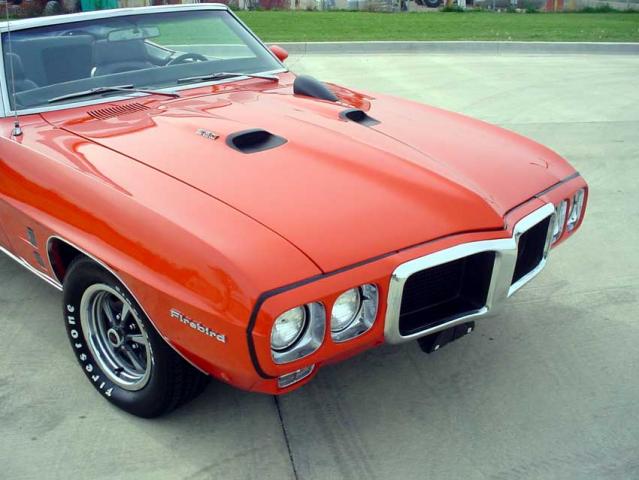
(120, 351)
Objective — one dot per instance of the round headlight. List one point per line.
(345, 309)
(287, 328)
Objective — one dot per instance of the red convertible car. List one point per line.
(207, 213)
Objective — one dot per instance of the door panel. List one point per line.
(4, 208)
(19, 233)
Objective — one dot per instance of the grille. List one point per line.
(116, 111)
(530, 250)
(445, 292)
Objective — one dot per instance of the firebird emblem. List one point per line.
(209, 135)
(197, 326)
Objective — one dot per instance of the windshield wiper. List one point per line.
(222, 75)
(115, 88)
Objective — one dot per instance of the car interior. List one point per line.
(47, 64)
(39, 62)
(44, 67)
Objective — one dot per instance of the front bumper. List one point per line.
(390, 272)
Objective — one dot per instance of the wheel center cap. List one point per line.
(114, 337)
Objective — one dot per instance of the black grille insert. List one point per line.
(530, 251)
(445, 292)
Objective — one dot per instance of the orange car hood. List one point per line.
(339, 191)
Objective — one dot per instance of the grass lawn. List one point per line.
(300, 26)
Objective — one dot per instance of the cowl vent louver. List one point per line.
(254, 140)
(116, 111)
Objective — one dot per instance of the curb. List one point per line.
(529, 48)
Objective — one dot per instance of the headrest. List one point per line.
(106, 52)
(13, 61)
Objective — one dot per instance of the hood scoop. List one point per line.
(312, 87)
(358, 116)
(254, 140)
(117, 110)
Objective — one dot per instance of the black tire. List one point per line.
(168, 381)
(52, 8)
(432, 3)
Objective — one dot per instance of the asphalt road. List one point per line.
(547, 390)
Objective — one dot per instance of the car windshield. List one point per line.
(143, 51)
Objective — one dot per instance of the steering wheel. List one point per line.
(186, 57)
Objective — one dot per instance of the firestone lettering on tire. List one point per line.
(105, 387)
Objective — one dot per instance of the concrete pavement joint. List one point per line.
(288, 445)
(466, 47)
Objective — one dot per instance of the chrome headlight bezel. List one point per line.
(576, 209)
(561, 211)
(309, 340)
(365, 316)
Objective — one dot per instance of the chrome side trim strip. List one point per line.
(500, 284)
(32, 269)
(108, 269)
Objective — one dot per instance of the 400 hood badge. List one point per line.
(209, 135)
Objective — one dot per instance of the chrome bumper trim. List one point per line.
(500, 284)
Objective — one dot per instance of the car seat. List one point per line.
(118, 57)
(20, 80)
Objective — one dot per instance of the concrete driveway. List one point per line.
(547, 390)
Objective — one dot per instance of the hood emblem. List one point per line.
(209, 135)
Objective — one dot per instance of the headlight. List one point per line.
(576, 210)
(560, 220)
(297, 333)
(345, 309)
(354, 312)
(287, 328)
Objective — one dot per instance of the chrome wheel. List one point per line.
(116, 337)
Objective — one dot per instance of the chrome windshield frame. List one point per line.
(17, 25)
